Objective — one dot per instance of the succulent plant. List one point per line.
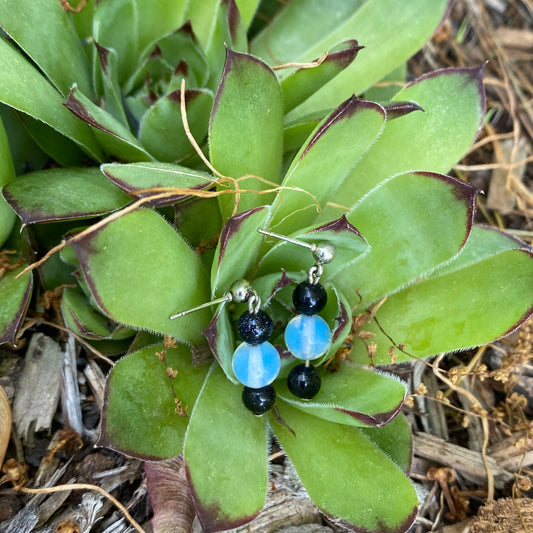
(289, 150)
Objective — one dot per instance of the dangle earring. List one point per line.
(308, 335)
(256, 363)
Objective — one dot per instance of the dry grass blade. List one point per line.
(87, 486)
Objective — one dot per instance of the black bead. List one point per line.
(304, 381)
(255, 328)
(258, 401)
(309, 298)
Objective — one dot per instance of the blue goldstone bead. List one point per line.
(255, 328)
(307, 337)
(256, 366)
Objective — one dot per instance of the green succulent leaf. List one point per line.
(245, 131)
(133, 177)
(336, 145)
(237, 248)
(387, 87)
(117, 139)
(410, 22)
(352, 395)
(227, 31)
(199, 223)
(113, 98)
(486, 296)
(176, 55)
(296, 133)
(82, 318)
(219, 335)
(454, 106)
(26, 153)
(343, 459)
(297, 27)
(63, 194)
(140, 271)
(302, 83)
(7, 173)
(44, 31)
(55, 145)
(22, 87)
(156, 19)
(483, 242)
(402, 220)
(139, 415)
(226, 456)
(130, 27)
(247, 9)
(83, 19)
(394, 440)
(338, 315)
(203, 16)
(15, 296)
(161, 128)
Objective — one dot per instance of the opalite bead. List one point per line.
(256, 366)
(309, 298)
(307, 337)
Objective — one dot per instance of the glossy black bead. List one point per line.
(309, 298)
(255, 328)
(258, 401)
(304, 381)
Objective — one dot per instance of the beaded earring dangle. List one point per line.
(256, 363)
(308, 335)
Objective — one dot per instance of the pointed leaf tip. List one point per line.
(76, 107)
(399, 109)
(345, 110)
(338, 226)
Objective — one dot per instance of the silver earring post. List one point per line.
(323, 251)
(241, 291)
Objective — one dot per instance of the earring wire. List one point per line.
(323, 251)
(241, 291)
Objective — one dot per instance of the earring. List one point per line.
(308, 335)
(256, 363)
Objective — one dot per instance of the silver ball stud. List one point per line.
(324, 252)
(240, 291)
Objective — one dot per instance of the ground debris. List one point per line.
(39, 386)
(505, 515)
(468, 463)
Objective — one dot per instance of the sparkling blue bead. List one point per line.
(256, 366)
(307, 337)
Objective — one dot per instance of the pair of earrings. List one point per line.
(256, 363)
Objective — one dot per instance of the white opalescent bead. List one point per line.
(256, 366)
(307, 337)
